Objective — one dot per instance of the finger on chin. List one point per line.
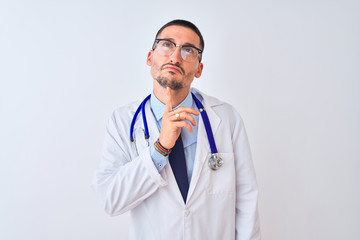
(168, 106)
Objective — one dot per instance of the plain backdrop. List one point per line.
(291, 68)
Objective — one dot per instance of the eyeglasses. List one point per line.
(166, 48)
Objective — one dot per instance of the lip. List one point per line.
(173, 68)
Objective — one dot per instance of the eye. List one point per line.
(166, 44)
(189, 50)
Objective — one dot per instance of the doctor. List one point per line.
(165, 179)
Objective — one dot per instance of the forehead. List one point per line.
(180, 35)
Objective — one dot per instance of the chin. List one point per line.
(171, 83)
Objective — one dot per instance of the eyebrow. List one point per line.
(185, 44)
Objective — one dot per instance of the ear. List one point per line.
(149, 58)
(199, 70)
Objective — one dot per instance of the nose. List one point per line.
(175, 57)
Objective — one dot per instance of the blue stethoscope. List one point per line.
(215, 162)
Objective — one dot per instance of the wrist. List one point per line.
(165, 143)
(161, 149)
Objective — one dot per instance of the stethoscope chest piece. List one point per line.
(215, 162)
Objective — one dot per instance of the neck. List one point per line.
(177, 95)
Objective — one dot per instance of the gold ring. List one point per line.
(177, 116)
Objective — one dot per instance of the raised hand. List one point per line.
(173, 121)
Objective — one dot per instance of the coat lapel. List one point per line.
(203, 150)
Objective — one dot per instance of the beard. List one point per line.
(173, 84)
(170, 78)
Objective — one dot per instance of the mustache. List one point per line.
(176, 65)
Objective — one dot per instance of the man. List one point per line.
(166, 180)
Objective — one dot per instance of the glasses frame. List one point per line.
(157, 40)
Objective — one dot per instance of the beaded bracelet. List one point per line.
(163, 151)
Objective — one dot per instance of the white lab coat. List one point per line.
(220, 204)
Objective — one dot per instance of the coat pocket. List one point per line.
(222, 181)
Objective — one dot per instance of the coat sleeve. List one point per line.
(247, 219)
(124, 180)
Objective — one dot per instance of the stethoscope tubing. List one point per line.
(142, 108)
(147, 135)
(206, 124)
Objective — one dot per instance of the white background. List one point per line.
(291, 68)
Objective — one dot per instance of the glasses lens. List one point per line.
(166, 48)
(189, 54)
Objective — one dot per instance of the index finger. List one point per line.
(187, 110)
(168, 106)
